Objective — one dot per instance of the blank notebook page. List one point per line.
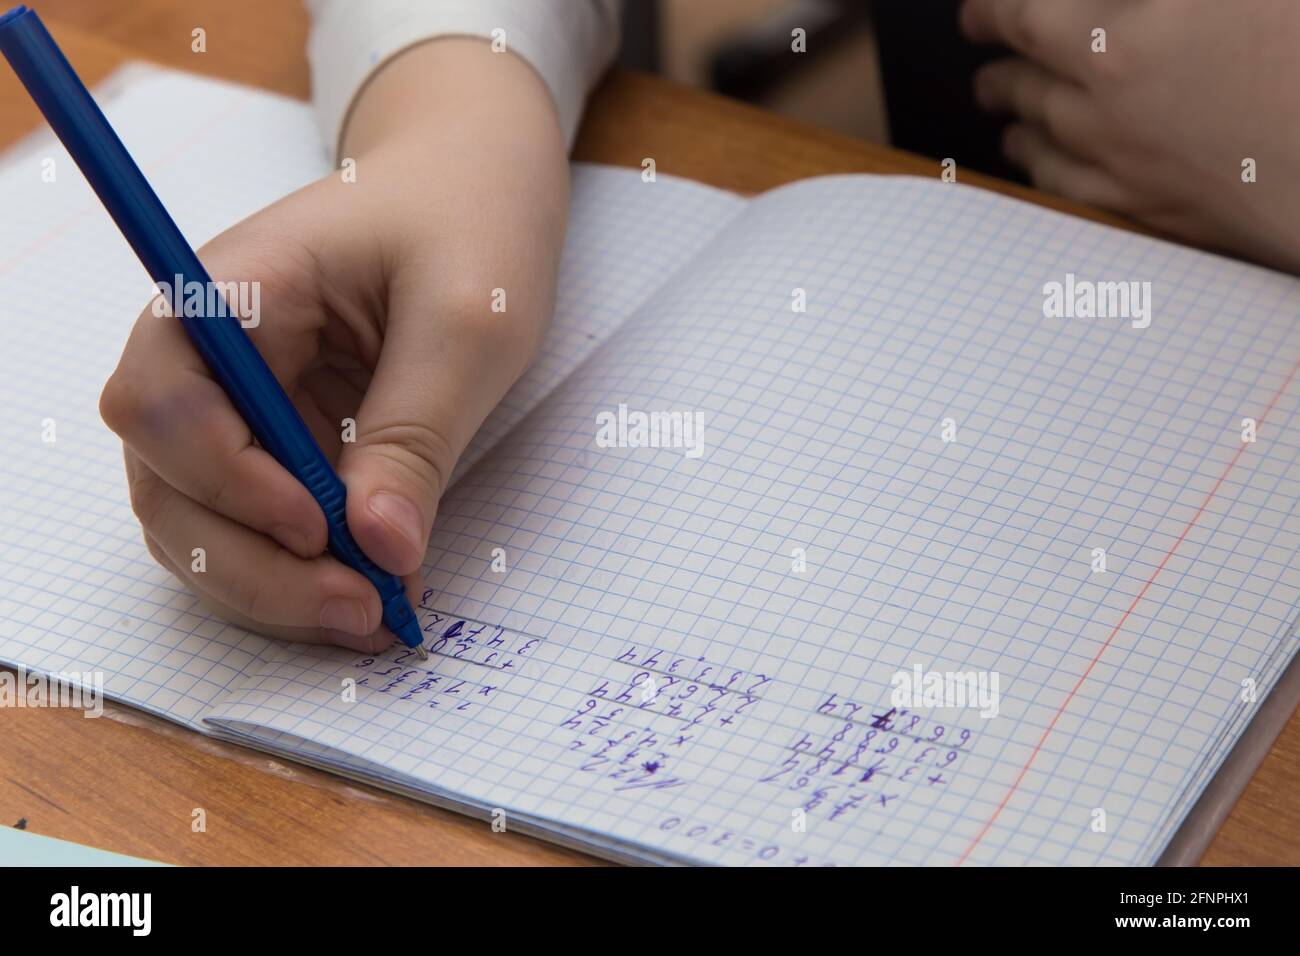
(78, 590)
(650, 667)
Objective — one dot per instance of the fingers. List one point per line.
(406, 446)
(437, 379)
(1041, 99)
(1055, 33)
(372, 644)
(180, 422)
(1061, 140)
(1056, 171)
(164, 404)
(247, 577)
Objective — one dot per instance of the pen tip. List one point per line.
(424, 655)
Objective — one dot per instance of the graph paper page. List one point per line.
(695, 655)
(79, 592)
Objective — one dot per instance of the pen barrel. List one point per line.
(331, 494)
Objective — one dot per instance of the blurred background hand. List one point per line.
(1157, 126)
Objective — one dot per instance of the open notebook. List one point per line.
(690, 658)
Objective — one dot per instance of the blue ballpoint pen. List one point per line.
(221, 340)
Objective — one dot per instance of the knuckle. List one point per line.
(512, 336)
(1047, 176)
(1024, 92)
(200, 411)
(156, 551)
(119, 404)
(216, 494)
(248, 593)
(1057, 110)
(149, 497)
(1027, 24)
(469, 292)
(1109, 67)
(420, 448)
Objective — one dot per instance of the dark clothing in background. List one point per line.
(927, 67)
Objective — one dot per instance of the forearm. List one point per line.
(453, 111)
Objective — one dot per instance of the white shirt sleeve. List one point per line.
(568, 42)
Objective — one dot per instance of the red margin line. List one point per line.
(988, 824)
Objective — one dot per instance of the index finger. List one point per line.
(1057, 34)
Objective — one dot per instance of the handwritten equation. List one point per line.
(631, 729)
(870, 759)
(639, 711)
(494, 650)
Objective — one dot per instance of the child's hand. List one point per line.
(375, 304)
(1158, 125)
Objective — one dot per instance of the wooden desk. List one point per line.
(130, 782)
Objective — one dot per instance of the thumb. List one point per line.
(437, 379)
